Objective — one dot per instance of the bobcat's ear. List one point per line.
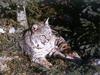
(47, 21)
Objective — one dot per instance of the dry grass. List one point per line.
(21, 65)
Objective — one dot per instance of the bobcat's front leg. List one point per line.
(71, 56)
(42, 62)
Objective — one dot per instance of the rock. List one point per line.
(1, 30)
(12, 30)
(96, 62)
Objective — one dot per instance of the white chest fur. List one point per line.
(42, 49)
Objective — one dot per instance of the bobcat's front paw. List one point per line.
(46, 64)
(43, 62)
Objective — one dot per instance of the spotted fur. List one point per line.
(40, 42)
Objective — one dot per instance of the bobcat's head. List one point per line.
(40, 26)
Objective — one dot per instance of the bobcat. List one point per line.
(39, 42)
